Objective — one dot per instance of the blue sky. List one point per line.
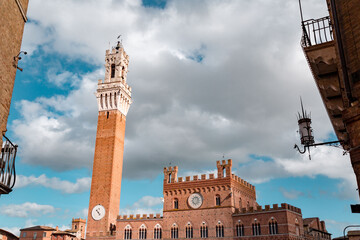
(208, 78)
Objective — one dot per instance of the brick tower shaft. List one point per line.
(114, 99)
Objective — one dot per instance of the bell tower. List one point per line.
(114, 99)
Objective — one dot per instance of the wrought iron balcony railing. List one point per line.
(316, 31)
(7, 166)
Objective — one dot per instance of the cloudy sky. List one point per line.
(209, 79)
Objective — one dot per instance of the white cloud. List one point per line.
(83, 213)
(241, 99)
(145, 205)
(13, 230)
(291, 194)
(326, 161)
(64, 127)
(26, 209)
(30, 222)
(81, 184)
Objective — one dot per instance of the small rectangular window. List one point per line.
(35, 235)
(44, 234)
(112, 70)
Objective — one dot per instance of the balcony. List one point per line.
(7, 166)
(316, 31)
(319, 48)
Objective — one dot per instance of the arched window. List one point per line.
(217, 200)
(112, 70)
(273, 227)
(169, 180)
(239, 229)
(157, 232)
(142, 232)
(219, 230)
(203, 230)
(174, 231)
(176, 203)
(297, 227)
(189, 231)
(256, 228)
(224, 172)
(128, 232)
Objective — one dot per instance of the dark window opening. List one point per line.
(176, 203)
(112, 70)
(217, 200)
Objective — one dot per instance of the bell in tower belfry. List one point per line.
(114, 99)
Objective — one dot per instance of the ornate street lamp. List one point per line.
(305, 131)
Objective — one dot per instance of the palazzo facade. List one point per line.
(213, 207)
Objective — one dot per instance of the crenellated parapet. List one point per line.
(267, 208)
(224, 178)
(114, 93)
(140, 216)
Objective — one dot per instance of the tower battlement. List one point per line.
(113, 92)
(267, 208)
(224, 172)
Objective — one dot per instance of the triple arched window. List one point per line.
(219, 230)
(128, 232)
(189, 231)
(273, 227)
(239, 229)
(142, 232)
(157, 232)
(204, 230)
(256, 229)
(174, 231)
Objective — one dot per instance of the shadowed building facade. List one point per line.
(332, 48)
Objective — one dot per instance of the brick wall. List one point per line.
(107, 169)
(11, 28)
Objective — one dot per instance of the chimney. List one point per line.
(57, 228)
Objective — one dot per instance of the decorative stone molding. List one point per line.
(114, 93)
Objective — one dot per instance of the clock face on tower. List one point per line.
(98, 212)
(195, 200)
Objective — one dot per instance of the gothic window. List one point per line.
(203, 230)
(128, 232)
(189, 231)
(112, 70)
(273, 227)
(239, 229)
(174, 232)
(142, 232)
(256, 229)
(157, 232)
(219, 230)
(176, 203)
(217, 200)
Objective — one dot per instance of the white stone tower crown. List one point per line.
(114, 93)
